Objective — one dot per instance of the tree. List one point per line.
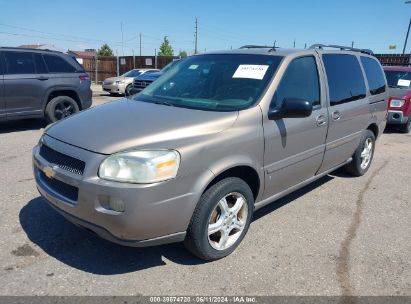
(105, 50)
(182, 54)
(165, 48)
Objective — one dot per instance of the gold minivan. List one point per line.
(219, 135)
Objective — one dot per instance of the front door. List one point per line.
(2, 102)
(294, 147)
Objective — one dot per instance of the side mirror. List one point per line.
(291, 108)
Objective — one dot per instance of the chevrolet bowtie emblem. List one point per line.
(49, 172)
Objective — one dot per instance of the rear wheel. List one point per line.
(60, 107)
(363, 156)
(221, 219)
(406, 128)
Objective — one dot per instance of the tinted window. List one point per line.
(375, 76)
(56, 64)
(40, 66)
(19, 63)
(224, 82)
(299, 81)
(398, 79)
(345, 79)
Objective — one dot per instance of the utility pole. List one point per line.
(406, 37)
(122, 38)
(140, 44)
(155, 58)
(96, 65)
(408, 31)
(294, 43)
(196, 37)
(134, 60)
(352, 44)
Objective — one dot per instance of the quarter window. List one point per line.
(375, 76)
(19, 63)
(56, 64)
(345, 79)
(299, 81)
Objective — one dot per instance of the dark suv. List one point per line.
(41, 84)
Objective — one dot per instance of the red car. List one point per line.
(399, 106)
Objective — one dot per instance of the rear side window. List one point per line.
(56, 64)
(345, 79)
(375, 76)
(300, 80)
(40, 66)
(19, 63)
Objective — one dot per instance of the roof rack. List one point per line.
(342, 48)
(252, 46)
(28, 49)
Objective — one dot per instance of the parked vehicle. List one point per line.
(123, 84)
(216, 137)
(143, 81)
(399, 111)
(41, 84)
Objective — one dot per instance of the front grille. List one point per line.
(142, 84)
(59, 187)
(62, 161)
(108, 82)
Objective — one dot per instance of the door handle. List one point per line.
(336, 115)
(42, 78)
(321, 120)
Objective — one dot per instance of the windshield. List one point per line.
(226, 82)
(169, 66)
(398, 79)
(132, 73)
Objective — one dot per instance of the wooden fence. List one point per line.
(110, 66)
(394, 59)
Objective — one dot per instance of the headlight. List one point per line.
(119, 81)
(140, 167)
(397, 103)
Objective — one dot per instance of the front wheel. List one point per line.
(221, 219)
(406, 128)
(363, 156)
(128, 90)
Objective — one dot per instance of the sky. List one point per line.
(223, 24)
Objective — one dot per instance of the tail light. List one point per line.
(84, 77)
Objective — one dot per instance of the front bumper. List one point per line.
(396, 117)
(153, 214)
(114, 88)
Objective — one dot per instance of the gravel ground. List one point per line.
(338, 236)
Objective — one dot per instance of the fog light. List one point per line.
(116, 204)
(111, 203)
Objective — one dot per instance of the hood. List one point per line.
(128, 123)
(398, 92)
(113, 79)
(149, 76)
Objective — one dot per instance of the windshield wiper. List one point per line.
(164, 103)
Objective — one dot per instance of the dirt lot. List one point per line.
(340, 235)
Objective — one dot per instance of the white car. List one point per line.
(122, 84)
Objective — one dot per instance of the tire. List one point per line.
(127, 90)
(359, 166)
(60, 107)
(406, 128)
(234, 223)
